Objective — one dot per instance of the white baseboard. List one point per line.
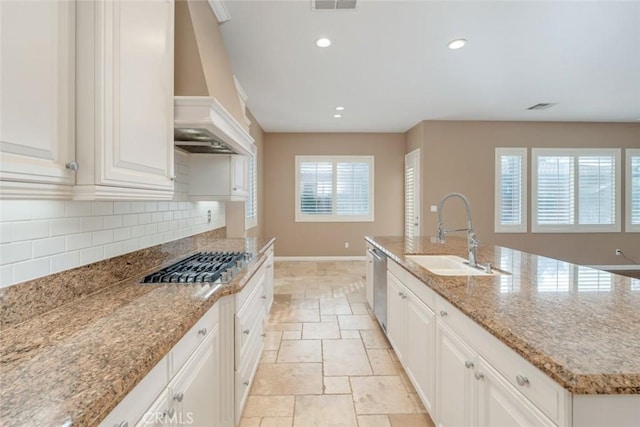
(319, 258)
(616, 267)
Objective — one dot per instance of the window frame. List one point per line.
(509, 228)
(629, 153)
(252, 195)
(334, 217)
(575, 227)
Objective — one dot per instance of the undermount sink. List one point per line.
(450, 265)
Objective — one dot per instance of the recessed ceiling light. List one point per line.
(337, 116)
(339, 108)
(457, 44)
(323, 42)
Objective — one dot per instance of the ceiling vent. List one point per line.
(333, 4)
(542, 106)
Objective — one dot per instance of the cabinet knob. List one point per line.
(178, 397)
(263, 335)
(122, 424)
(443, 313)
(246, 383)
(468, 364)
(479, 376)
(235, 188)
(263, 297)
(246, 332)
(202, 331)
(73, 165)
(522, 381)
(173, 178)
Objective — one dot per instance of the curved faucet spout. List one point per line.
(472, 241)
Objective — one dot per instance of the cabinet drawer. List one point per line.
(422, 291)
(535, 385)
(193, 338)
(245, 373)
(249, 288)
(249, 325)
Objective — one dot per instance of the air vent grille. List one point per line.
(542, 106)
(333, 4)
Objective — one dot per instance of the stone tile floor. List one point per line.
(326, 361)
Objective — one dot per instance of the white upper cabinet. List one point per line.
(37, 43)
(218, 177)
(124, 87)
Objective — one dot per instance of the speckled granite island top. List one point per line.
(72, 365)
(578, 325)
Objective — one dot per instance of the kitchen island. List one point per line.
(574, 325)
(72, 361)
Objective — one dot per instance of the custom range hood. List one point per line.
(209, 115)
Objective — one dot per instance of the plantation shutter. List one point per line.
(352, 188)
(634, 184)
(556, 197)
(596, 189)
(251, 206)
(316, 188)
(511, 191)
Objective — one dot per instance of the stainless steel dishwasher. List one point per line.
(380, 286)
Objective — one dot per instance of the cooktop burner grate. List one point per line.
(203, 267)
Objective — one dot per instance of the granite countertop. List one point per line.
(579, 325)
(72, 365)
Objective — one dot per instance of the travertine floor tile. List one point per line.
(329, 318)
(283, 326)
(323, 292)
(277, 422)
(249, 422)
(374, 338)
(304, 304)
(287, 378)
(300, 351)
(359, 308)
(269, 356)
(344, 357)
(357, 321)
(335, 306)
(293, 315)
(373, 421)
(269, 406)
(410, 420)
(320, 331)
(337, 385)
(324, 411)
(381, 362)
(381, 395)
(350, 334)
(291, 335)
(272, 340)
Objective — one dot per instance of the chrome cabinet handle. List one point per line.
(522, 381)
(479, 376)
(468, 364)
(178, 397)
(202, 331)
(443, 313)
(122, 424)
(73, 165)
(246, 332)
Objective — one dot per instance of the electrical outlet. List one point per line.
(346, 245)
(209, 217)
(434, 208)
(618, 252)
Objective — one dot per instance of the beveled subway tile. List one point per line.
(300, 351)
(373, 421)
(344, 358)
(320, 331)
(357, 321)
(324, 411)
(381, 395)
(381, 362)
(269, 406)
(287, 378)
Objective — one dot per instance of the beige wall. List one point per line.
(327, 239)
(459, 156)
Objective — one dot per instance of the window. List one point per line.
(576, 190)
(633, 190)
(251, 205)
(511, 190)
(334, 188)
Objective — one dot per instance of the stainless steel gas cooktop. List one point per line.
(203, 267)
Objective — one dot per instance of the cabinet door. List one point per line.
(159, 414)
(420, 351)
(125, 98)
(369, 277)
(194, 390)
(240, 175)
(501, 405)
(37, 60)
(396, 320)
(454, 380)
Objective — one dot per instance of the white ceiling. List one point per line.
(390, 67)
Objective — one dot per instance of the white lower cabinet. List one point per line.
(455, 406)
(411, 332)
(159, 414)
(369, 276)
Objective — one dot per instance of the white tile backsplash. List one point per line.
(40, 237)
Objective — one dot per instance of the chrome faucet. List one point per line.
(472, 241)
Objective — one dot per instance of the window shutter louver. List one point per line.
(409, 214)
(352, 188)
(596, 190)
(251, 205)
(316, 188)
(511, 191)
(634, 189)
